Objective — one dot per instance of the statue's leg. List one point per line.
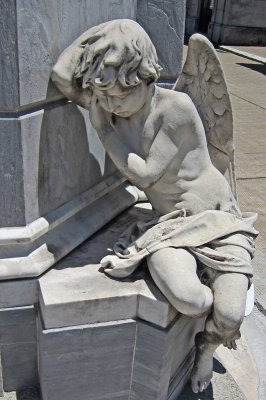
(175, 273)
(230, 291)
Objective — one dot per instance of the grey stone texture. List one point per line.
(87, 360)
(18, 347)
(11, 174)
(1, 379)
(238, 22)
(163, 358)
(76, 292)
(79, 303)
(128, 359)
(39, 32)
(9, 89)
(164, 21)
(18, 293)
(192, 16)
(54, 155)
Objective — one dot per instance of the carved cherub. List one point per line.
(157, 139)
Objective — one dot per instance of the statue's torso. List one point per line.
(190, 181)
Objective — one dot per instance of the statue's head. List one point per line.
(117, 51)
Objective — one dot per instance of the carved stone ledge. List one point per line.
(29, 251)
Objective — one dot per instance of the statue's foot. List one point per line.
(231, 343)
(202, 371)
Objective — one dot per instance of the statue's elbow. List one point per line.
(59, 76)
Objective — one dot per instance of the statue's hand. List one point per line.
(100, 119)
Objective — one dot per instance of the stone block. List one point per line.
(1, 379)
(164, 21)
(92, 361)
(76, 292)
(39, 32)
(19, 292)
(163, 358)
(9, 88)
(75, 296)
(12, 203)
(237, 35)
(18, 347)
(120, 359)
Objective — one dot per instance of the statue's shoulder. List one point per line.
(166, 98)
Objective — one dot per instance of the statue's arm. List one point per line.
(63, 73)
(141, 172)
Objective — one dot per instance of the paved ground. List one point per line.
(235, 373)
(260, 51)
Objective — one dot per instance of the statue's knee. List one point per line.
(191, 302)
(229, 321)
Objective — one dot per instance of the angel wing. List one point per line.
(202, 78)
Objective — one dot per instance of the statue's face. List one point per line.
(123, 102)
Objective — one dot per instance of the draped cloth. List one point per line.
(217, 239)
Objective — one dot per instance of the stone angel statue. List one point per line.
(176, 146)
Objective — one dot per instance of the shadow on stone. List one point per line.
(218, 367)
(32, 393)
(261, 68)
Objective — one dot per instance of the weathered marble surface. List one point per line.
(12, 204)
(75, 292)
(18, 293)
(9, 76)
(238, 22)
(63, 230)
(54, 155)
(18, 347)
(94, 360)
(163, 356)
(39, 31)
(164, 21)
(1, 378)
(121, 359)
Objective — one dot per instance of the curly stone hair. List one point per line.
(118, 50)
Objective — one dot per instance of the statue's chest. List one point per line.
(136, 135)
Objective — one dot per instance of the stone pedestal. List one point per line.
(115, 339)
(58, 187)
(108, 338)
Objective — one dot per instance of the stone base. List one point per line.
(96, 337)
(113, 339)
(127, 359)
(18, 348)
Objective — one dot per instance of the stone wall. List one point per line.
(240, 22)
(192, 16)
(37, 126)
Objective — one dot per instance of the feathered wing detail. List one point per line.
(202, 78)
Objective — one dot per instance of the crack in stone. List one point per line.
(153, 6)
